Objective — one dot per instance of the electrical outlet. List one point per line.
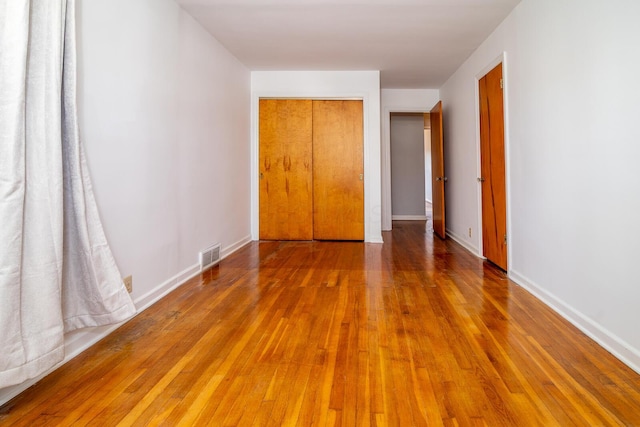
(469, 231)
(128, 283)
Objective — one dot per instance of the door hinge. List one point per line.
(501, 83)
(505, 239)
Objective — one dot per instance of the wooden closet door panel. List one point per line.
(338, 170)
(285, 156)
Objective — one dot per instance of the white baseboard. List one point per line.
(235, 246)
(154, 295)
(627, 354)
(78, 341)
(462, 242)
(409, 217)
(374, 238)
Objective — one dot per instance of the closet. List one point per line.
(311, 169)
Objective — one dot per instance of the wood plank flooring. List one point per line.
(413, 332)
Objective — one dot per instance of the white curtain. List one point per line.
(57, 273)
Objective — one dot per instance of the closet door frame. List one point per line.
(362, 86)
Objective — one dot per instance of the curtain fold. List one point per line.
(57, 272)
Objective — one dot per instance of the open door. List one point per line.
(492, 165)
(438, 178)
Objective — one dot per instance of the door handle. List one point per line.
(480, 179)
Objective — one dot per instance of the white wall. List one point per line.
(572, 149)
(363, 85)
(398, 101)
(164, 116)
(165, 120)
(407, 166)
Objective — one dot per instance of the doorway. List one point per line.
(410, 155)
(433, 121)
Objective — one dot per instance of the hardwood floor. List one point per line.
(410, 333)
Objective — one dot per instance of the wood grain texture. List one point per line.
(285, 168)
(492, 165)
(437, 171)
(412, 332)
(338, 190)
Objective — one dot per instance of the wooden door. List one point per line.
(438, 177)
(285, 156)
(492, 162)
(338, 170)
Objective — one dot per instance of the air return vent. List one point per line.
(210, 257)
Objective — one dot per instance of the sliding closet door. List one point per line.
(286, 199)
(338, 170)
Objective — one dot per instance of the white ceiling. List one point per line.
(414, 43)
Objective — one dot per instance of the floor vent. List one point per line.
(209, 257)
